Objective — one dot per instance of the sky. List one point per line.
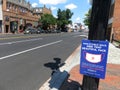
(78, 7)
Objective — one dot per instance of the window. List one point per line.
(14, 7)
(8, 5)
(20, 9)
(6, 18)
(36, 10)
(20, 1)
(40, 10)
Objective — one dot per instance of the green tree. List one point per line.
(64, 17)
(68, 14)
(87, 17)
(47, 20)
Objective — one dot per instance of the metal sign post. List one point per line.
(97, 31)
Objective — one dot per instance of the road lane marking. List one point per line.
(1, 58)
(17, 37)
(20, 41)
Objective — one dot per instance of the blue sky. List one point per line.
(78, 7)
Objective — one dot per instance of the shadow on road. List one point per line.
(54, 66)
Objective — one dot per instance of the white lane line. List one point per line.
(1, 58)
(20, 41)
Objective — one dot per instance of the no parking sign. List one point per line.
(94, 58)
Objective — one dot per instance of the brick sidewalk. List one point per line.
(111, 82)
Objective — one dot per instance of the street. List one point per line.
(24, 58)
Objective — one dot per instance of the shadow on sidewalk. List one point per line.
(70, 85)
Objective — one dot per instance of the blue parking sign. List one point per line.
(93, 59)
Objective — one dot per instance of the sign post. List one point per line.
(94, 58)
(97, 31)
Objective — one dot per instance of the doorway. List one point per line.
(7, 28)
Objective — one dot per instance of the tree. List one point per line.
(68, 14)
(87, 18)
(63, 18)
(47, 20)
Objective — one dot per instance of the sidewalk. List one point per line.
(112, 80)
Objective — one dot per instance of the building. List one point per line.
(1, 16)
(110, 22)
(16, 15)
(116, 20)
(113, 30)
(39, 11)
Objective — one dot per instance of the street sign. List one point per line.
(94, 58)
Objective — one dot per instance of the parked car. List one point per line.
(58, 31)
(30, 31)
(40, 31)
(47, 31)
(55, 31)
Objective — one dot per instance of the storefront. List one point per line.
(1, 17)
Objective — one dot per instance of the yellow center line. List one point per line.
(15, 37)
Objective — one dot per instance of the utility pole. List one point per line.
(97, 31)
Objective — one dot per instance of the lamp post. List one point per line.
(97, 31)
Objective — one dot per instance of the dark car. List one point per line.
(40, 31)
(30, 31)
(58, 31)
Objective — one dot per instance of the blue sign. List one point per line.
(94, 58)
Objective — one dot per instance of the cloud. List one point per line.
(52, 2)
(71, 6)
(34, 4)
(53, 8)
(78, 19)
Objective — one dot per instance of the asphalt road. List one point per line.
(27, 61)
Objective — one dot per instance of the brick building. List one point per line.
(39, 11)
(116, 20)
(16, 15)
(113, 31)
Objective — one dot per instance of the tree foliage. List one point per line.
(87, 18)
(47, 20)
(64, 17)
